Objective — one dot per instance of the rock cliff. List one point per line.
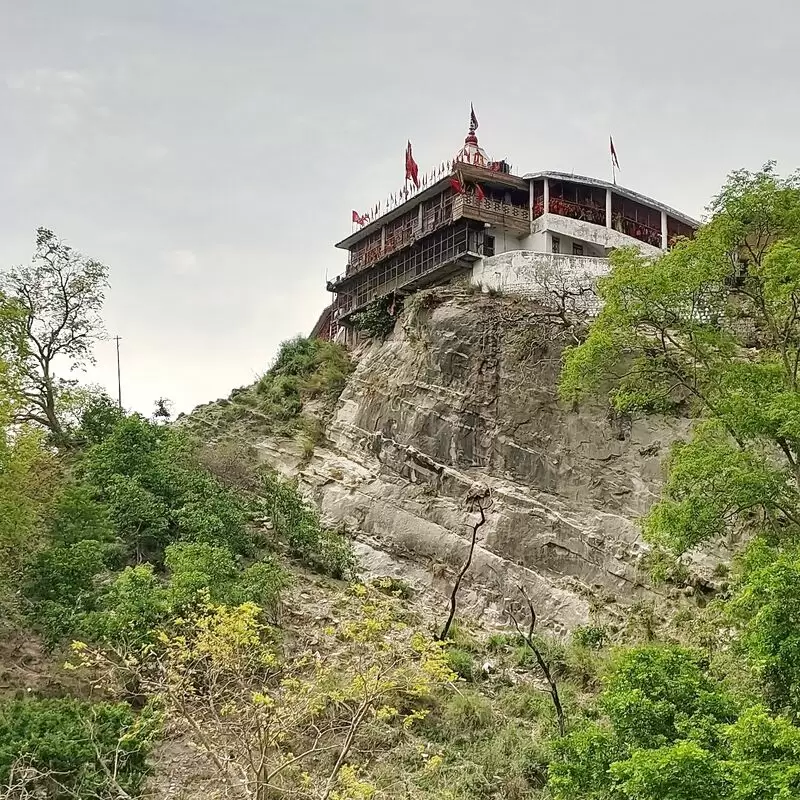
(464, 392)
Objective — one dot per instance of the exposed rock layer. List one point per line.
(464, 392)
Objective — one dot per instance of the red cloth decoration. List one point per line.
(456, 184)
(412, 170)
(614, 159)
(479, 195)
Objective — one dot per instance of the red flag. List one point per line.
(614, 159)
(360, 219)
(412, 169)
(456, 184)
(473, 120)
(479, 195)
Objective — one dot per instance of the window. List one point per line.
(556, 244)
(488, 245)
(577, 249)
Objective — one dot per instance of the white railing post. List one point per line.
(664, 234)
(608, 208)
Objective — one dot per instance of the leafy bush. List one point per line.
(393, 586)
(157, 492)
(60, 585)
(304, 369)
(320, 548)
(70, 748)
(462, 663)
(376, 319)
(76, 515)
(503, 642)
(138, 602)
(200, 572)
(135, 603)
(590, 636)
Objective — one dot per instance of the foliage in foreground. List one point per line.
(67, 748)
(671, 731)
(284, 725)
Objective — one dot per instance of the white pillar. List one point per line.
(608, 208)
(383, 238)
(530, 200)
(664, 240)
(546, 209)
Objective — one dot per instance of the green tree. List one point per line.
(669, 729)
(712, 326)
(58, 299)
(28, 476)
(157, 493)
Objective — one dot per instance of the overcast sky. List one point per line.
(211, 151)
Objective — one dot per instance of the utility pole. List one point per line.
(119, 376)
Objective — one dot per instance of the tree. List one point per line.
(52, 321)
(713, 327)
(292, 727)
(28, 475)
(541, 662)
(478, 499)
(163, 410)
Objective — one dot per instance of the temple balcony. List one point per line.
(592, 205)
(515, 218)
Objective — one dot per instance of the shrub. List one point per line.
(320, 548)
(157, 492)
(131, 608)
(196, 568)
(503, 642)
(376, 319)
(461, 662)
(77, 515)
(304, 369)
(262, 584)
(590, 636)
(81, 743)
(393, 586)
(60, 585)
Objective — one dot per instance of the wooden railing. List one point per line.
(596, 214)
(496, 206)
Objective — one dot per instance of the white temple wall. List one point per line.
(565, 280)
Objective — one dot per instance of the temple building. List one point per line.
(475, 218)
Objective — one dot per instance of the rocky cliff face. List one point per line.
(464, 392)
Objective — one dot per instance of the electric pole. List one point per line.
(119, 376)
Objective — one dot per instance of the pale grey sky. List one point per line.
(210, 151)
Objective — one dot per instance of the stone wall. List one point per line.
(562, 280)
